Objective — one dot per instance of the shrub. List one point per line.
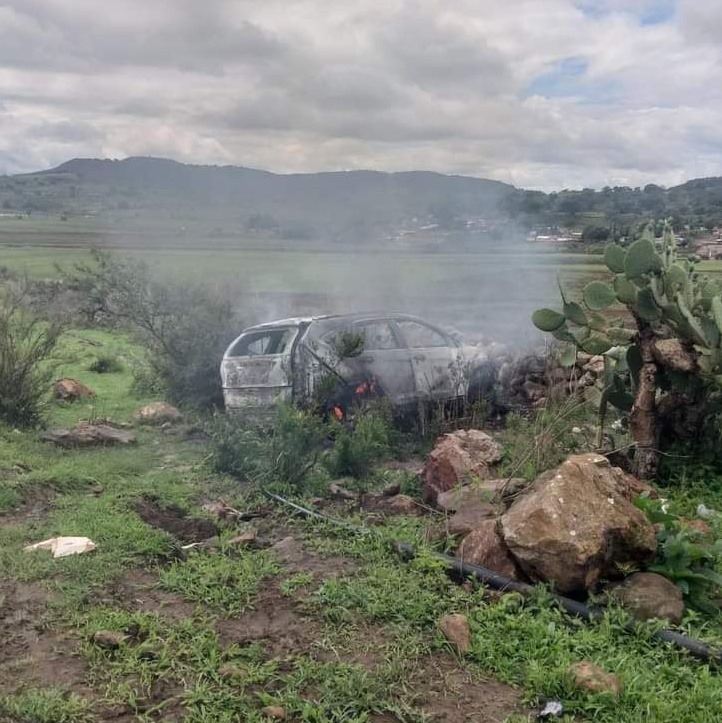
(26, 347)
(185, 328)
(283, 453)
(359, 446)
(684, 556)
(106, 365)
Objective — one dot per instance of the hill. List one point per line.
(146, 194)
(229, 199)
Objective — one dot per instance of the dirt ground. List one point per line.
(34, 654)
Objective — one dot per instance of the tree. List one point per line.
(663, 357)
(595, 234)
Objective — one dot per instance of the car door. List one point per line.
(256, 369)
(434, 358)
(386, 360)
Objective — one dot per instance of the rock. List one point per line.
(457, 458)
(646, 595)
(590, 678)
(402, 505)
(275, 712)
(468, 519)
(288, 549)
(587, 380)
(583, 358)
(337, 490)
(108, 639)
(455, 628)
(483, 546)
(247, 539)
(630, 487)
(158, 413)
(574, 525)
(84, 434)
(595, 365)
(391, 490)
(479, 494)
(69, 390)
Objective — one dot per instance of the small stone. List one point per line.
(337, 490)
(403, 505)
(391, 489)
(647, 595)
(247, 539)
(590, 678)
(455, 628)
(158, 413)
(108, 639)
(97, 489)
(275, 711)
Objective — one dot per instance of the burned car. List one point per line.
(333, 361)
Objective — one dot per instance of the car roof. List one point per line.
(340, 318)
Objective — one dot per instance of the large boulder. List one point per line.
(84, 434)
(69, 390)
(575, 524)
(457, 458)
(483, 546)
(646, 595)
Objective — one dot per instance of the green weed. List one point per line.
(46, 705)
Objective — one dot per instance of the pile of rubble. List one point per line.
(575, 527)
(534, 379)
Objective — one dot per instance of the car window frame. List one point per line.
(288, 350)
(450, 341)
(400, 342)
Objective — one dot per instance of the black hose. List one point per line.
(695, 647)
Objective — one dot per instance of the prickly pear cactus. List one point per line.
(651, 294)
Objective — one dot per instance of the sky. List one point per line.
(545, 94)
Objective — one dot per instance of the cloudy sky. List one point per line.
(540, 93)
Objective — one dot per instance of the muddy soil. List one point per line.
(175, 521)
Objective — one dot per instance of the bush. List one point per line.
(684, 556)
(357, 448)
(26, 346)
(284, 453)
(186, 329)
(106, 365)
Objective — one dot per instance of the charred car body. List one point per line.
(331, 361)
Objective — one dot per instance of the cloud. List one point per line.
(557, 94)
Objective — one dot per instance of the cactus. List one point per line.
(660, 296)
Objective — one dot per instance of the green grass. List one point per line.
(180, 666)
(46, 705)
(222, 581)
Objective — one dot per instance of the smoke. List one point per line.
(486, 290)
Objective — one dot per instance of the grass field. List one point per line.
(490, 293)
(330, 626)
